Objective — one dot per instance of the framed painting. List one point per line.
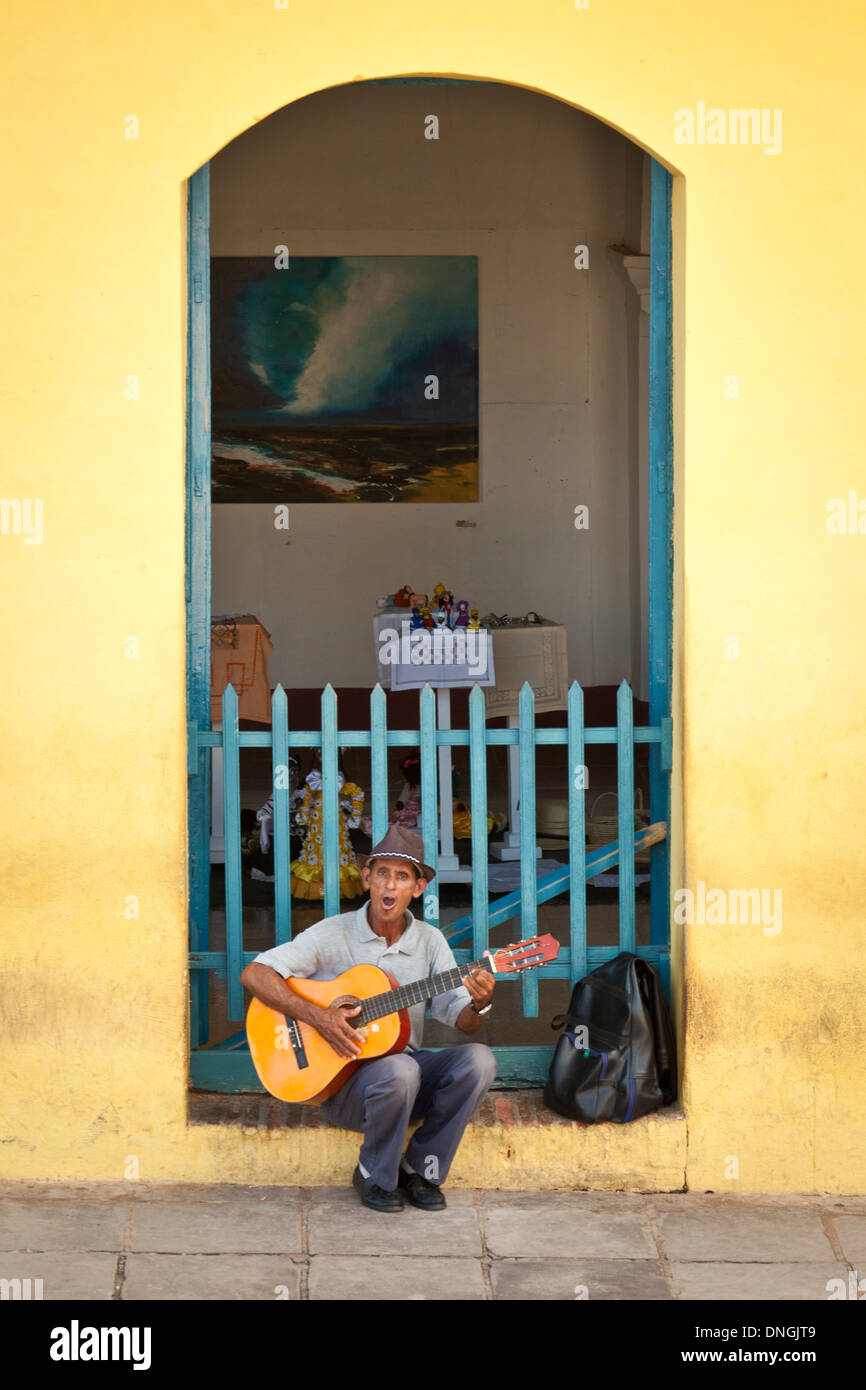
(344, 378)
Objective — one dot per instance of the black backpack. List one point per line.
(622, 1061)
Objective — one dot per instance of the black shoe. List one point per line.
(376, 1197)
(420, 1192)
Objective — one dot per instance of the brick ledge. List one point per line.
(252, 1112)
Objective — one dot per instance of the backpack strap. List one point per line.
(562, 1019)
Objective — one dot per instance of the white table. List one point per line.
(537, 653)
(443, 676)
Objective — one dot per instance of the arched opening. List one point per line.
(530, 232)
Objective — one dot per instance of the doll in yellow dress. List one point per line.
(308, 875)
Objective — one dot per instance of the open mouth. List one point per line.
(388, 901)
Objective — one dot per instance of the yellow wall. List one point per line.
(768, 782)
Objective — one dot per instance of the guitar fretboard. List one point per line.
(380, 1005)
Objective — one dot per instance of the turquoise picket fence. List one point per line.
(227, 1065)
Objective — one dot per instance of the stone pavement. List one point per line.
(102, 1241)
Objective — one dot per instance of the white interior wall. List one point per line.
(518, 180)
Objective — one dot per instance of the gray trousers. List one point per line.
(384, 1096)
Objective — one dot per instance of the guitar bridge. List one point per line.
(297, 1043)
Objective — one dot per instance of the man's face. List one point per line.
(392, 883)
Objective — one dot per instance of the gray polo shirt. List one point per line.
(337, 943)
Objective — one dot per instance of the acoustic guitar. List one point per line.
(295, 1063)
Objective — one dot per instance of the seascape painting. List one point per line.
(345, 379)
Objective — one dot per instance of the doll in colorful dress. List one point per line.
(408, 808)
(308, 873)
(265, 814)
(463, 816)
(257, 829)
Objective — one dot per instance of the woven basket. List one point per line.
(602, 829)
(551, 818)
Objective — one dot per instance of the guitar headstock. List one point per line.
(523, 955)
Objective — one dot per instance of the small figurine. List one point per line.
(473, 623)
(417, 621)
(439, 594)
(463, 821)
(426, 617)
(448, 604)
(440, 617)
(401, 598)
(462, 619)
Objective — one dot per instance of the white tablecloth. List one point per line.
(459, 658)
(533, 652)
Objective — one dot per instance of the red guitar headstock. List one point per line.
(524, 955)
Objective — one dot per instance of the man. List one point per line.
(385, 1093)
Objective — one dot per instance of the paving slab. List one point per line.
(67, 1274)
(348, 1197)
(202, 1277)
(734, 1200)
(748, 1234)
(141, 1190)
(564, 1233)
(605, 1202)
(210, 1192)
(395, 1277)
(570, 1280)
(31, 1190)
(62, 1225)
(797, 1282)
(856, 1204)
(851, 1231)
(339, 1229)
(235, 1227)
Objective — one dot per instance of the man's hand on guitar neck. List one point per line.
(266, 984)
(480, 985)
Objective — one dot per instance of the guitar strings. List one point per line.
(391, 1001)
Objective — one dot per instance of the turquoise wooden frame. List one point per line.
(228, 1066)
(198, 582)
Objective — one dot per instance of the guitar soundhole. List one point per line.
(345, 1000)
(351, 1002)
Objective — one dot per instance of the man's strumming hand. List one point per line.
(334, 1026)
(270, 987)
